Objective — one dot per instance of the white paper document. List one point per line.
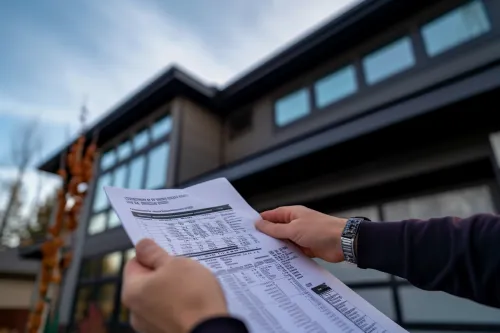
(268, 283)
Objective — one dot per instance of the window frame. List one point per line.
(112, 145)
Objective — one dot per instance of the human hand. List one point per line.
(315, 233)
(169, 294)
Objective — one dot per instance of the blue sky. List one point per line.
(56, 53)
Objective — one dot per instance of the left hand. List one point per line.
(169, 294)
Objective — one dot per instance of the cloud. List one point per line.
(134, 41)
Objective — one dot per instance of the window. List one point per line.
(113, 221)
(455, 28)
(124, 150)
(381, 299)
(120, 177)
(99, 285)
(389, 60)
(106, 299)
(82, 300)
(162, 127)
(335, 86)
(140, 162)
(100, 199)
(97, 223)
(292, 107)
(111, 264)
(137, 172)
(438, 307)
(157, 167)
(108, 159)
(90, 269)
(141, 139)
(461, 203)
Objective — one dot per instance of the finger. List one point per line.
(275, 230)
(133, 268)
(134, 277)
(283, 214)
(149, 254)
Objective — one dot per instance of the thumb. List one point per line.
(149, 254)
(276, 230)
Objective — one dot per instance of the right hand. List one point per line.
(316, 234)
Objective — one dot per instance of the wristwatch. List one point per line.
(348, 237)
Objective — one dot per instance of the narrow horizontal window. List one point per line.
(456, 27)
(389, 60)
(335, 86)
(292, 107)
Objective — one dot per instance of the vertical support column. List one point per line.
(174, 157)
(68, 286)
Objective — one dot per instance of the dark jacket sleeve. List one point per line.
(221, 325)
(457, 256)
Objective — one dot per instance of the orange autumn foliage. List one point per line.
(78, 162)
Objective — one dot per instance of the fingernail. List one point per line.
(145, 245)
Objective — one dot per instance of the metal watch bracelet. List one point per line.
(348, 237)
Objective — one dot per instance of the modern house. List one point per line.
(388, 111)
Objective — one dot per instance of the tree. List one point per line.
(26, 144)
(37, 231)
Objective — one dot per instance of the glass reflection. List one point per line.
(157, 167)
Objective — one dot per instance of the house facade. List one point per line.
(387, 111)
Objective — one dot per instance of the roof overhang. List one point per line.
(160, 91)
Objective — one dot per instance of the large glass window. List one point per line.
(97, 223)
(100, 199)
(124, 150)
(108, 159)
(460, 203)
(82, 301)
(113, 221)
(141, 139)
(335, 86)
(157, 166)
(389, 60)
(438, 307)
(111, 263)
(99, 286)
(120, 176)
(140, 162)
(106, 299)
(292, 107)
(455, 27)
(137, 172)
(161, 127)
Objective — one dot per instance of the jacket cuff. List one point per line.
(221, 324)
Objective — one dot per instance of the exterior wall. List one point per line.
(427, 72)
(200, 141)
(15, 293)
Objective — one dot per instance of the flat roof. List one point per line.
(362, 21)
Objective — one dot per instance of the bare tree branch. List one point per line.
(26, 146)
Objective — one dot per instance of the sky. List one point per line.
(56, 54)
